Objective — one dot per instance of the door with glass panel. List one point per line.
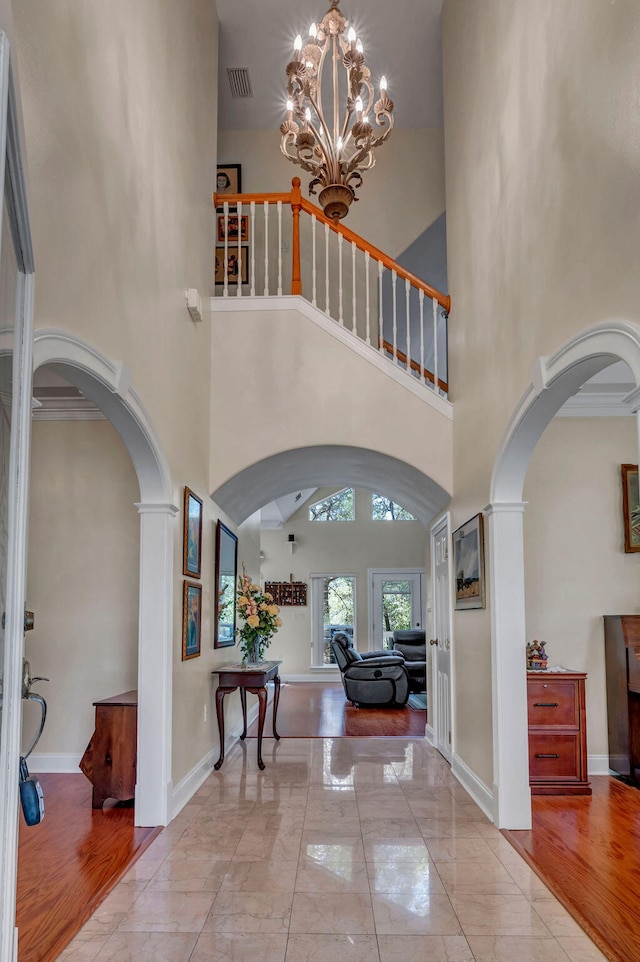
(333, 606)
(16, 360)
(396, 604)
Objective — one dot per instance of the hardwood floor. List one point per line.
(69, 863)
(320, 710)
(587, 850)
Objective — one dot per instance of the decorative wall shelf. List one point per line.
(287, 593)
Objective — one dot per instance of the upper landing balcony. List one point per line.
(279, 245)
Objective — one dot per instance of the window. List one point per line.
(382, 509)
(333, 601)
(337, 507)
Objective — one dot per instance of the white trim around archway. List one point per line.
(107, 384)
(554, 380)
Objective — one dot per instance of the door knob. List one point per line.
(433, 641)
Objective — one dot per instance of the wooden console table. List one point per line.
(251, 678)
(110, 759)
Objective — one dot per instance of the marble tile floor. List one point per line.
(358, 850)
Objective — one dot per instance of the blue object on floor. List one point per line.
(418, 701)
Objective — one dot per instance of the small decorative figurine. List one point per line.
(537, 657)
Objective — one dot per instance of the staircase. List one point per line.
(272, 245)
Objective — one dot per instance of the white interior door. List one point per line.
(396, 603)
(16, 353)
(440, 697)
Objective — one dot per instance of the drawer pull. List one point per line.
(545, 704)
(542, 755)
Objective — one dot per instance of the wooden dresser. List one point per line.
(557, 733)
(622, 661)
(110, 759)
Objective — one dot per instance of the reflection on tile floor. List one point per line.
(363, 850)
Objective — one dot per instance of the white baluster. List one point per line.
(407, 294)
(225, 262)
(380, 317)
(340, 315)
(326, 269)
(314, 266)
(279, 248)
(239, 262)
(253, 248)
(394, 285)
(367, 259)
(421, 301)
(354, 325)
(435, 347)
(266, 248)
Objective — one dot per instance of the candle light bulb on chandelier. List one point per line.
(359, 46)
(383, 84)
(351, 36)
(297, 44)
(313, 31)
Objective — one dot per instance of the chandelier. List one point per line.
(335, 150)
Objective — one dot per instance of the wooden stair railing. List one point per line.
(409, 329)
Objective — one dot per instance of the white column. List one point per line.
(512, 797)
(155, 661)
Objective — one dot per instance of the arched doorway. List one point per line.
(555, 379)
(107, 384)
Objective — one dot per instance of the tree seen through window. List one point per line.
(337, 507)
(383, 509)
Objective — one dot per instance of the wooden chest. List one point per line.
(557, 733)
(110, 759)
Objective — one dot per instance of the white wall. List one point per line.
(541, 156)
(120, 114)
(575, 565)
(349, 547)
(83, 577)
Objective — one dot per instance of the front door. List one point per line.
(396, 604)
(440, 641)
(16, 353)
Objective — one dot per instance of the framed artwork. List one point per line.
(228, 179)
(228, 226)
(192, 534)
(630, 507)
(236, 270)
(468, 560)
(191, 620)
(225, 587)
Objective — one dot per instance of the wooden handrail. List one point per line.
(428, 376)
(302, 204)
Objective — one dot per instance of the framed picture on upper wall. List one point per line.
(236, 267)
(228, 179)
(192, 534)
(228, 227)
(630, 507)
(191, 620)
(468, 561)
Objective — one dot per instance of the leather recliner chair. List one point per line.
(371, 678)
(412, 645)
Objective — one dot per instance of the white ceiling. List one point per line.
(401, 39)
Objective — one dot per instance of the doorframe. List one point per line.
(108, 384)
(20, 339)
(554, 380)
(383, 571)
(443, 521)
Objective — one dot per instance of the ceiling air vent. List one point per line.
(240, 82)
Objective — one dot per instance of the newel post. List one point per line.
(296, 207)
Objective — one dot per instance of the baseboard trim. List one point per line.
(62, 764)
(193, 780)
(476, 788)
(598, 764)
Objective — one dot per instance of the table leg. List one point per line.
(276, 699)
(243, 702)
(220, 693)
(262, 710)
